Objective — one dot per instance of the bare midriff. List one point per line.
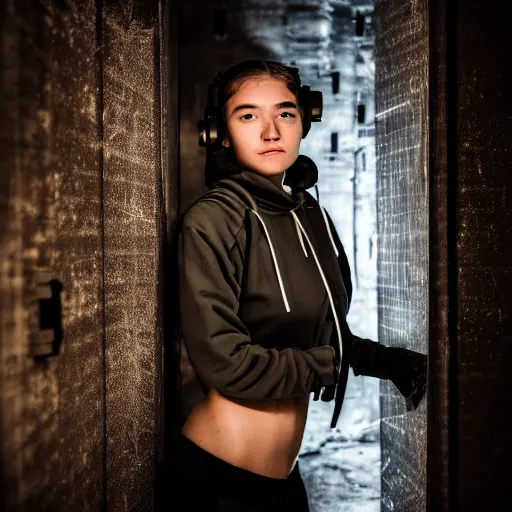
(263, 437)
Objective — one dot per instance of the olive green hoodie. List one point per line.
(264, 292)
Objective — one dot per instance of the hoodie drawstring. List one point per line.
(283, 293)
(301, 232)
(329, 230)
(328, 290)
(322, 209)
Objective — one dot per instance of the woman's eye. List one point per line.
(287, 114)
(245, 117)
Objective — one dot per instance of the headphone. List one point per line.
(211, 127)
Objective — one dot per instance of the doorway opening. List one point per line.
(332, 45)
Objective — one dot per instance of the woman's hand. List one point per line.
(406, 369)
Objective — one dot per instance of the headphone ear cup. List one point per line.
(316, 104)
(201, 127)
(306, 114)
(312, 105)
(210, 133)
(210, 129)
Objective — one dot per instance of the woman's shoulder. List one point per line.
(217, 209)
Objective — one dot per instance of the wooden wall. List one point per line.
(84, 85)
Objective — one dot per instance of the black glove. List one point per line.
(406, 369)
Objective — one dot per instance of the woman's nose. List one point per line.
(270, 132)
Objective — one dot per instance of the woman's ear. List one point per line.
(226, 143)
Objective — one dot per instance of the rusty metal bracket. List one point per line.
(46, 338)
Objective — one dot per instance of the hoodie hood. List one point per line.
(222, 170)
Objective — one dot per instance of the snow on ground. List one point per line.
(340, 467)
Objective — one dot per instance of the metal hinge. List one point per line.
(46, 338)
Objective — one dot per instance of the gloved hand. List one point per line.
(406, 369)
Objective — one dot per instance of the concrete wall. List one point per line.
(401, 89)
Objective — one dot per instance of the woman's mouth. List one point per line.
(270, 153)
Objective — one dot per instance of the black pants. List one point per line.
(200, 481)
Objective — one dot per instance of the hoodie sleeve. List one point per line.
(407, 369)
(363, 351)
(217, 341)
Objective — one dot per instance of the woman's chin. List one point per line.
(271, 170)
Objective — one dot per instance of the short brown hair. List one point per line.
(235, 76)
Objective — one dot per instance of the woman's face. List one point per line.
(263, 115)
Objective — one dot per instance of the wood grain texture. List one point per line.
(52, 425)
(81, 184)
(442, 227)
(482, 156)
(133, 240)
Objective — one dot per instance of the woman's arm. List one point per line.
(217, 341)
(407, 369)
(362, 353)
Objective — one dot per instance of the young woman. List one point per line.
(264, 292)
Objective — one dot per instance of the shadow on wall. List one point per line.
(208, 43)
